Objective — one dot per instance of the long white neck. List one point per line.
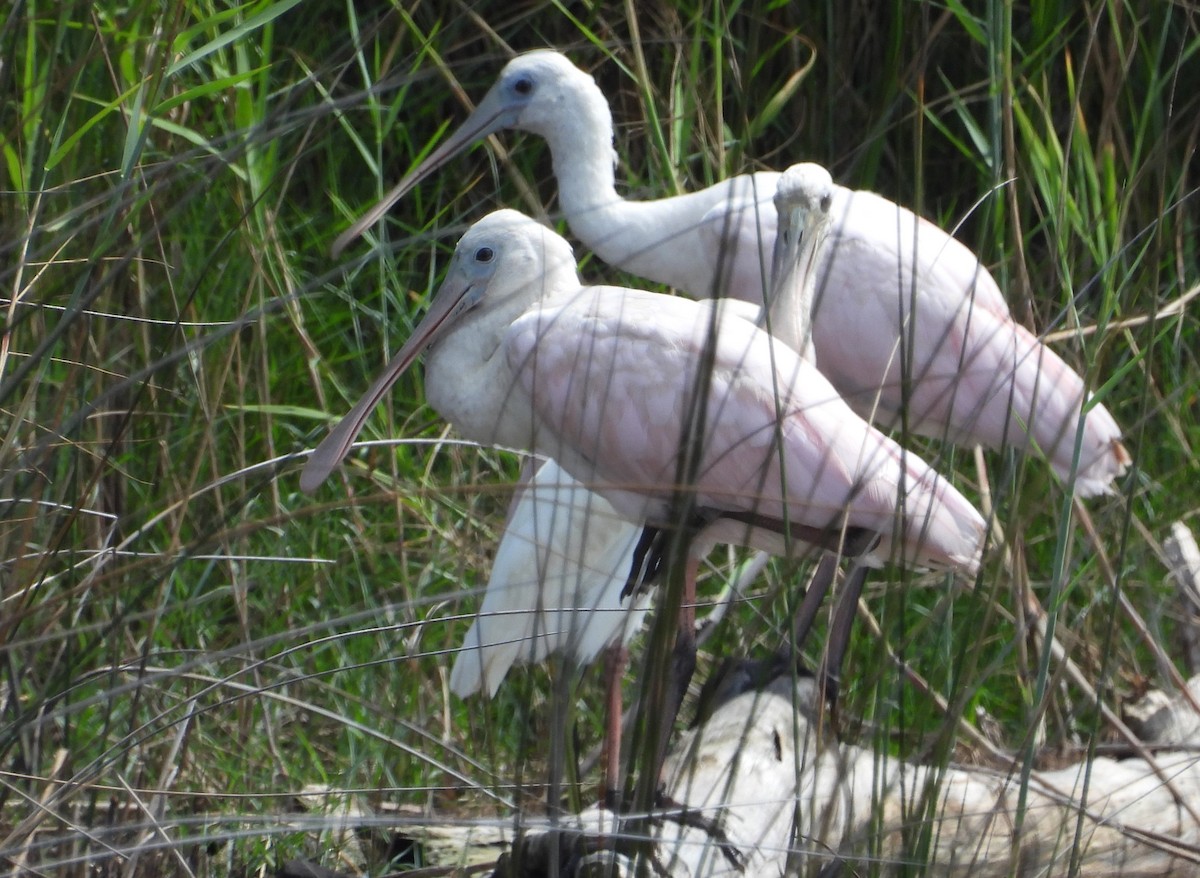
(581, 148)
(790, 314)
(663, 240)
(793, 288)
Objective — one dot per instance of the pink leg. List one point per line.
(687, 612)
(683, 658)
(616, 661)
(663, 694)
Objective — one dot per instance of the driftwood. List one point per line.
(764, 788)
(788, 799)
(1183, 555)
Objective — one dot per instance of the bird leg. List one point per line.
(649, 559)
(814, 596)
(845, 607)
(736, 676)
(683, 659)
(675, 660)
(616, 661)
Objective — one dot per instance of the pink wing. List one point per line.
(975, 374)
(611, 376)
(870, 277)
(892, 248)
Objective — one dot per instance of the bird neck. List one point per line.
(790, 310)
(789, 324)
(793, 287)
(583, 157)
(468, 380)
(465, 377)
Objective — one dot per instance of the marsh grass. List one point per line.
(188, 642)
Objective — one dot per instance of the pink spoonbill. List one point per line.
(646, 398)
(905, 316)
(565, 556)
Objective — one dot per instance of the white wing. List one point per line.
(555, 584)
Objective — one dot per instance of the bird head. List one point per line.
(803, 200)
(536, 92)
(504, 261)
(804, 193)
(501, 266)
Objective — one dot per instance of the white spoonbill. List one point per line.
(905, 314)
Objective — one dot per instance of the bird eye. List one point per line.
(523, 86)
(826, 203)
(485, 254)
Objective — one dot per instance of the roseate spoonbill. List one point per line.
(907, 316)
(645, 398)
(802, 203)
(563, 561)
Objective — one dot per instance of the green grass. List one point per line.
(188, 641)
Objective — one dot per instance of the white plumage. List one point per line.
(605, 379)
(555, 584)
(897, 298)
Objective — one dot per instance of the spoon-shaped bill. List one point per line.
(489, 117)
(450, 301)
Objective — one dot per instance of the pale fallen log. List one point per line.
(788, 799)
(1183, 557)
(785, 798)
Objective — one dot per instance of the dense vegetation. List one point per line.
(188, 641)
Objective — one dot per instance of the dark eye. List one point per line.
(826, 203)
(523, 86)
(485, 254)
